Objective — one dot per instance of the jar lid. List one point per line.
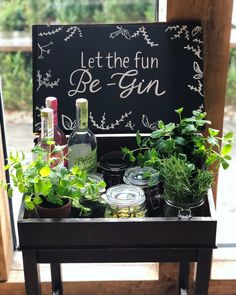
(124, 195)
(138, 175)
(114, 162)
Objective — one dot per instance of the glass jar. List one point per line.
(139, 176)
(125, 201)
(112, 166)
(97, 177)
(97, 204)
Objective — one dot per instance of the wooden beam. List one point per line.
(215, 16)
(6, 246)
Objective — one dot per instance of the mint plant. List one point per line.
(41, 181)
(185, 140)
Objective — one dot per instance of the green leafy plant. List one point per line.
(39, 182)
(183, 139)
(183, 183)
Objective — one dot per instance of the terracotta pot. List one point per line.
(55, 212)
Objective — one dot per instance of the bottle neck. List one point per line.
(47, 129)
(82, 118)
(52, 104)
(55, 116)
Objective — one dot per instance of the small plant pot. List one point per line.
(185, 208)
(54, 211)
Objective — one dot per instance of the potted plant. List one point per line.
(51, 191)
(183, 138)
(185, 186)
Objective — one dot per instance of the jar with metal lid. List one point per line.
(140, 177)
(125, 201)
(112, 166)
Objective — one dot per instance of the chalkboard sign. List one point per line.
(131, 74)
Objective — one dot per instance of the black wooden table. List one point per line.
(164, 238)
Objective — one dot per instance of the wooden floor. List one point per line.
(117, 279)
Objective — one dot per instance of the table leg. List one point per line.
(203, 271)
(57, 287)
(31, 272)
(184, 268)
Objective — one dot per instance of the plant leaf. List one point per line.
(226, 149)
(45, 171)
(213, 132)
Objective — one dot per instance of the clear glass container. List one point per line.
(125, 201)
(139, 176)
(112, 166)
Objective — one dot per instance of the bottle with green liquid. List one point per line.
(82, 142)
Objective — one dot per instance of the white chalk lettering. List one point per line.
(83, 80)
(129, 87)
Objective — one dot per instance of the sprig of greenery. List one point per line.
(183, 183)
(183, 139)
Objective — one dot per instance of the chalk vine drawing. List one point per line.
(198, 76)
(43, 49)
(72, 31)
(147, 124)
(201, 107)
(194, 45)
(140, 32)
(45, 81)
(198, 88)
(102, 125)
(179, 31)
(130, 125)
(143, 32)
(38, 125)
(196, 51)
(67, 123)
(51, 32)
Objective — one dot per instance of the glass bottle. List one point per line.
(82, 142)
(59, 135)
(46, 140)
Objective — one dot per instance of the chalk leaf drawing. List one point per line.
(44, 49)
(38, 126)
(51, 32)
(140, 32)
(147, 124)
(72, 31)
(122, 31)
(45, 81)
(196, 30)
(110, 126)
(67, 123)
(198, 76)
(179, 31)
(130, 125)
(197, 69)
